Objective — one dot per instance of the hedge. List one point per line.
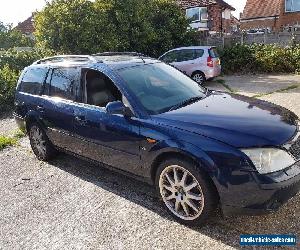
(259, 58)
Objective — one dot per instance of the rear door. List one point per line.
(61, 91)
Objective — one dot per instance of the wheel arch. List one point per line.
(202, 164)
(199, 71)
(32, 117)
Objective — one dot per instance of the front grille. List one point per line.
(295, 149)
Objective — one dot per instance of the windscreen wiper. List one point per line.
(186, 102)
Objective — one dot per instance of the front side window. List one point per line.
(32, 82)
(100, 90)
(170, 57)
(292, 5)
(160, 87)
(65, 83)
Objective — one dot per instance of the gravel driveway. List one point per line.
(72, 204)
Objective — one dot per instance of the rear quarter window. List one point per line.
(33, 80)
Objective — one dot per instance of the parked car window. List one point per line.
(100, 90)
(32, 82)
(159, 87)
(186, 55)
(65, 83)
(213, 53)
(199, 53)
(170, 57)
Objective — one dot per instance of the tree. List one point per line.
(80, 26)
(10, 38)
(77, 26)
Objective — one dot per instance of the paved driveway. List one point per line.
(71, 204)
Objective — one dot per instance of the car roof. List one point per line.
(194, 47)
(114, 60)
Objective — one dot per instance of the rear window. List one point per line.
(32, 82)
(213, 53)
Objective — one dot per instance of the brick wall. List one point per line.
(253, 24)
(288, 18)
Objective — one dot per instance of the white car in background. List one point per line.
(199, 62)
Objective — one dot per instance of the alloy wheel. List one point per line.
(199, 78)
(181, 192)
(38, 141)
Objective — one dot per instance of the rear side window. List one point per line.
(199, 53)
(213, 53)
(33, 79)
(186, 55)
(65, 83)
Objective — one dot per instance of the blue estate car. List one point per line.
(200, 148)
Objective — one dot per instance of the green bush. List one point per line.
(259, 58)
(8, 80)
(12, 62)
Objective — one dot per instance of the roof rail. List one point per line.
(63, 58)
(119, 54)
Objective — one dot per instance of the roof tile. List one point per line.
(261, 8)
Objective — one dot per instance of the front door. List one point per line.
(111, 139)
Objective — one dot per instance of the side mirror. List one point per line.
(118, 108)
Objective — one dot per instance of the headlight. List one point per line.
(269, 160)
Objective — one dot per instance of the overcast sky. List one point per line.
(14, 11)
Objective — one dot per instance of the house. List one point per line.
(273, 15)
(26, 27)
(208, 15)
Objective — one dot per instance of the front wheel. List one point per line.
(40, 144)
(186, 192)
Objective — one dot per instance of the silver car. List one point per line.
(199, 62)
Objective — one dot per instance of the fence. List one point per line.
(281, 39)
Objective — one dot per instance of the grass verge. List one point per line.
(8, 141)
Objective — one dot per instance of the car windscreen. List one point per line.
(160, 87)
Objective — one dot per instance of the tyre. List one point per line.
(40, 144)
(199, 77)
(186, 191)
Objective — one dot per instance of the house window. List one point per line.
(292, 5)
(197, 14)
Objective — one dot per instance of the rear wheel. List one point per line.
(40, 144)
(186, 192)
(199, 77)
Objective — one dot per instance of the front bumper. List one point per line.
(268, 193)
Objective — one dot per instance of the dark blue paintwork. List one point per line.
(210, 132)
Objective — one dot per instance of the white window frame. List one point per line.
(291, 11)
(200, 16)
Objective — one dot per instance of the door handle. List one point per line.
(40, 108)
(80, 119)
